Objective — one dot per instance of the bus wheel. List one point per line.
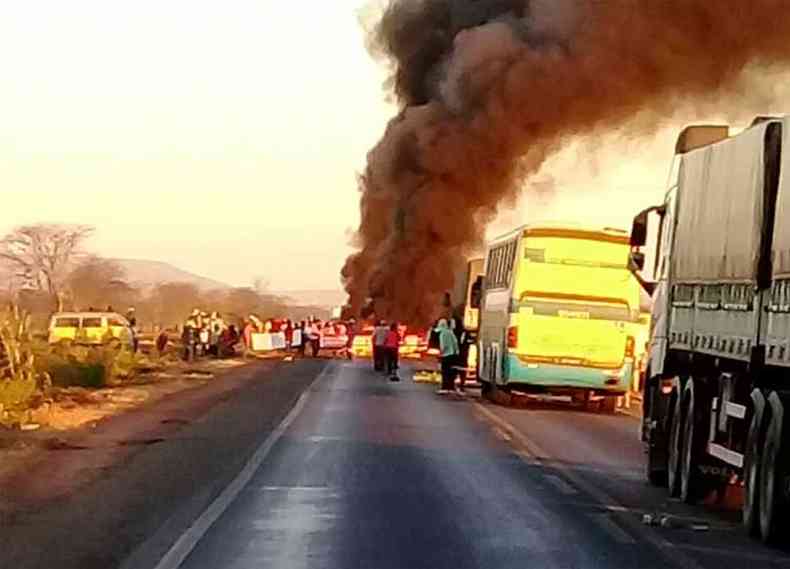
(773, 474)
(754, 444)
(608, 405)
(697, 411)
(485, 388)
(675, 442)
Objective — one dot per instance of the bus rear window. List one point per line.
(591, 309)
(67, 323)
(91, 323)
(576, 252)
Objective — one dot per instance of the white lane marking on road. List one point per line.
(502, 434)
(296, 488)
(671, 551)
(324, 438)
(560, 484)
(605, 522)
(190, 538)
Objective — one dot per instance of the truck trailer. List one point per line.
(715, 257)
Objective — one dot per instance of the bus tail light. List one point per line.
(629, 347)
(512, 337)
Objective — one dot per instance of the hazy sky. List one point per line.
(225, 137)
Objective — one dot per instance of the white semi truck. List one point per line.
(717, 381)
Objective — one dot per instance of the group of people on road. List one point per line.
(205, 334)
(298, 336)
(448, 337)
(386, 342)
(315, 329)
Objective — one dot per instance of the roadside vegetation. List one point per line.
(44, 269)
(20, 379)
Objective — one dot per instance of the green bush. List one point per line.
(15, 394)
(87, 366)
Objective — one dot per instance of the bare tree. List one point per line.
(171, 303)
(240, 302)
(98, 282)
(42, 254)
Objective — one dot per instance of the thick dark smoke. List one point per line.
(490, 88)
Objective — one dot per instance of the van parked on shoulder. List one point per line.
(90, 328)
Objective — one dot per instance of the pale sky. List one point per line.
(225, 137)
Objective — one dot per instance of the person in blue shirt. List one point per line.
(448, 351)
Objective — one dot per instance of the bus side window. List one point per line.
(511, 258)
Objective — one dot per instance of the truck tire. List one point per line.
(751, 468)
(654, 438)
(675, 441)
(656, 466)
(696, 407)
(773, 473)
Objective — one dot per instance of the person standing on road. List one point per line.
(247, 337)
(161, 343)
(315, 337)
(216, 325)
(301, 334)
(131, 317)
(288, 331)
(379, 336)
(189, 337)
(351, 332)
(448, 351)
(391, 344)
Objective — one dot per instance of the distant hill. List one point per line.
(145, 274)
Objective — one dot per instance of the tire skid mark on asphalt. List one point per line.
(537, 454)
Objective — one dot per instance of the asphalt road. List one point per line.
(136, 499)
(372, 474)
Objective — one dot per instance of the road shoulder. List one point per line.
(173, 459)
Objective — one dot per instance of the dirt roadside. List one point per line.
(101, 491)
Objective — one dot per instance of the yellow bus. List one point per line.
(558, 313)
